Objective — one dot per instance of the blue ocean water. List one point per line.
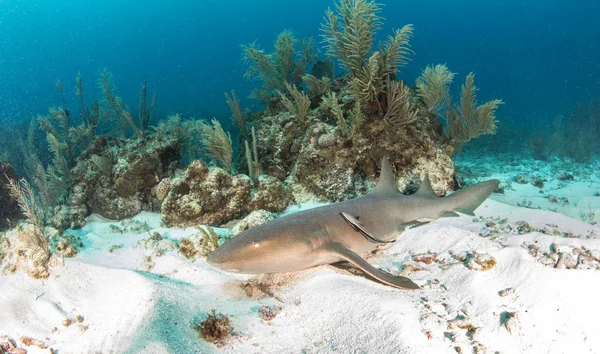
(539, 56)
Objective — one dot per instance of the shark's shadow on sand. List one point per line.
(341, 232)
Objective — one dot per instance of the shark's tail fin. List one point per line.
(468, 199)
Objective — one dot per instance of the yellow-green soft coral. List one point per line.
(349, 34)
(286, 64)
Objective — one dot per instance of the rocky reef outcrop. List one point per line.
(211, 196)
(117, 179)
(337, 166)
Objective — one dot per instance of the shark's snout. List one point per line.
(215, 258)
(220, 259)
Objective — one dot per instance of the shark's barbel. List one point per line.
(343, 231)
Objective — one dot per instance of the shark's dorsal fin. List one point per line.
(426, 190)
(387, 180)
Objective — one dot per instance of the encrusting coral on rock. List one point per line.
(118, 179)
(199, 195)
(19, 251)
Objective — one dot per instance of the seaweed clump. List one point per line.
(215, 328)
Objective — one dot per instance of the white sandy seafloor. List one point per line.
(540, 294)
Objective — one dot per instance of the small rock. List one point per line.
(595, 254)
(537, 182)
(269, 312)
(556, 248)
(523, 227)
(565, 176)
(506, 292)
(427, 258)
(512, 322)
(481, 261)
(327, 140)
(461, 257)
(566, 261)
(28, 341)
(462, 323)
(162, 189)
(520, 179)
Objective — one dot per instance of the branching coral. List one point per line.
(127, 116)
(36, 241)
(254, 169)
(56, 181)
(218, 143)
(301, 100)
(60, 162)
(330, 102)
(468, 120)
(145, 112)
(238, 117)
(350, 33)
(58, 124)
(434, 87)
(349, 36)
(400, 111)
(112, 106)
(286, 64)
(317, 86)
(86, 131)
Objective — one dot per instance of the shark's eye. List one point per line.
(256, 245)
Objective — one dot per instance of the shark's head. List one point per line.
(258, 251)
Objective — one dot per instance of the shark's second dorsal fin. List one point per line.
(426, 190)
(387, 180)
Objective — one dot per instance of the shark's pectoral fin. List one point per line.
(347, 255)
(412, 224)
(358, 227)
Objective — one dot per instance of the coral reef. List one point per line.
(331, 148)
(331, 165)
(199, 195)
(118, 179)
(325, 143)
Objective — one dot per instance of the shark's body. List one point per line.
(343, 231)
